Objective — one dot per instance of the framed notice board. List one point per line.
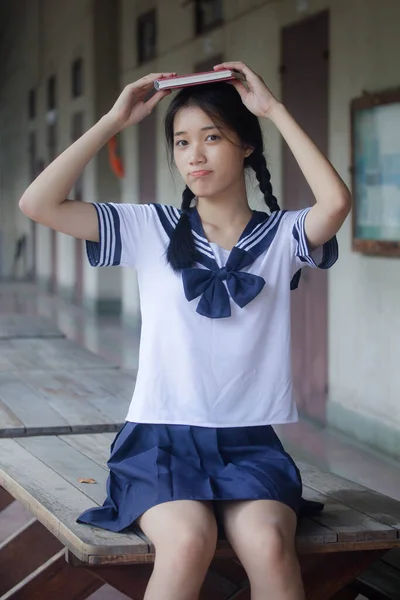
(375, 134)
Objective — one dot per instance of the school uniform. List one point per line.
(214, 364)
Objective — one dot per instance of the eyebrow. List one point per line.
(202, 129)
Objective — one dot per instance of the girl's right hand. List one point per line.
(131, 107)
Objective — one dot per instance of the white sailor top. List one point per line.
(215, 338)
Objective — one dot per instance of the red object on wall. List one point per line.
(115, 160)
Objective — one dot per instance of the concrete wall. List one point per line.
(364, 47)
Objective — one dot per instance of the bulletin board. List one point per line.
(375, 135)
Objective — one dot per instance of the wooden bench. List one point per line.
(14, 326)
(47, 354)
(51, 401)
(381, 581)
(53, 553)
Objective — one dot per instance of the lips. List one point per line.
(200, 173)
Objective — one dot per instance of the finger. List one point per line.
(154, 100)
(150, 79)
(238, 66)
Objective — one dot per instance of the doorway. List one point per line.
(305, 93)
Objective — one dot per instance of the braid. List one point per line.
(258, 163)
(187, 197)
(180, 253)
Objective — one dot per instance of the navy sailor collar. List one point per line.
(208, 283)
(253, 241)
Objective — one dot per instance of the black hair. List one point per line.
(223, 104)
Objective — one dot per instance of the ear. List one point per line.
(248, 151)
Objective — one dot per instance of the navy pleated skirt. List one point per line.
(152, 464)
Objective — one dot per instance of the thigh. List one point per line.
(180, 521)
(258, 528)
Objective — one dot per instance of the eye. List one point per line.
(181, 143)
(214, 137)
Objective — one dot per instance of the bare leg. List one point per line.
(184, 534)
(262, 533)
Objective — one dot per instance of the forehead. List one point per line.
(191, 118)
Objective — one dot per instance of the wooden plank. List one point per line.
(132, 581)
(349, 524)
(70, 464)
(18, 359)
(9, 423)
(27, 326)
(30, 354)
(56, 386)
(24, 552)
(61, 393)
(40, 402)
(380, 580)
(5, 499)
(232, 580)
(348, 593)
(64, 353)
(109, 390)
(94, 446)
(231, 569)
(118, 382)
(55, 579)
(323, 578)
(28, 407)
(311, 533)
(56, 503)
(109, 436)
(392, 558)
(381, 508)
(6, 351)
(326, 575)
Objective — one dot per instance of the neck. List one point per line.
(229, 207)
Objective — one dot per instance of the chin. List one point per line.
(204, 189)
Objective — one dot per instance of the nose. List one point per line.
(196, 157)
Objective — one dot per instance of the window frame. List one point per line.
(32, 106)
(77, 78)
(201, 28)
(142, 20)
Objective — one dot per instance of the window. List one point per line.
(208, 14)
(32, 104)
(51, 93)
(77, 78)
(146, 32)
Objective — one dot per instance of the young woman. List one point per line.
(198, 449)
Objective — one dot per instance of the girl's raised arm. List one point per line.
(45, 199)
(333, 199)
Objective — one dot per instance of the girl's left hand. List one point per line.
(256, 96)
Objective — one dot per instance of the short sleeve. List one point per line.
(122, 231)
(322, 257)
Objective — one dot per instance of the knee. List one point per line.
(274, 551)
(190, 546)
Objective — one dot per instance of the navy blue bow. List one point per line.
(214, 302)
